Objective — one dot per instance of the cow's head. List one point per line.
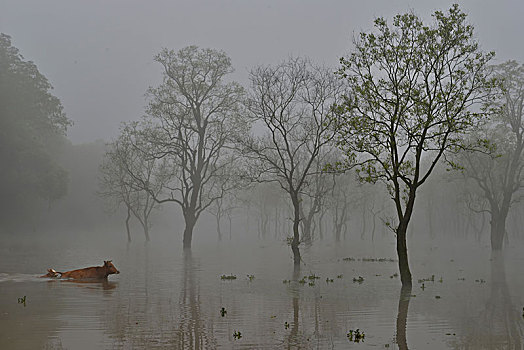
(110, 267)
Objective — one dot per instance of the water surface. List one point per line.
(165, 298)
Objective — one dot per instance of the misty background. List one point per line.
(98, 56)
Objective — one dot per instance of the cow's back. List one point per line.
(87, 273)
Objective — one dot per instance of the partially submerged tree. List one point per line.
(499, 173)
(413, 95)
(195, 116)
(290, 103)
(131, 177)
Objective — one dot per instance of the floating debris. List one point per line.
(340, 276)
(223, 312)
(437, 296)
(430, 279)
(286, 325)
(251, 277)
(359, 280)
(312, 277)
(22, 300)
(394, 275)
(328, 280)
(480, 281)
(228, 277)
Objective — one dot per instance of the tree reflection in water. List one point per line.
(499, 325)
(191, 332)
(402, 317)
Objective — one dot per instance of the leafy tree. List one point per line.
(194, 116)
(498, 173)
(32, 128)
(413, 94)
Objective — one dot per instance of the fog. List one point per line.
(98, 55)
(263, 174)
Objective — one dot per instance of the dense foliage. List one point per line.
(32, 128)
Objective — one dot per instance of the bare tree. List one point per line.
(498, 173)
(130, 177)
(290, 104)
(194, 115)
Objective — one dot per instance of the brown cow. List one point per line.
(92, 273)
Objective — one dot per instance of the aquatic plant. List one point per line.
(329, 280)
(348, 259)
(356, 335)
(437, 296)
(223, 311)
(429, 279)
(237, 334)
(22, 300)
(313, 277)
(228, 277)
(359, 280)
(286, 325)
(340, 276)
(251, 277)
(394, 275)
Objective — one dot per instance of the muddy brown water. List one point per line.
(165, 298)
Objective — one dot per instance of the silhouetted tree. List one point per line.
(194, 115)
(130, 176)
(32, 130)
(498, 173)
(413, 89)
(290, 103)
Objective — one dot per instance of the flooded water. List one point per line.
(164, 298)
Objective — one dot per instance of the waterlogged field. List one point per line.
(345, 296)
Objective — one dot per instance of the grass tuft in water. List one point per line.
(228, 277)
(356, 335)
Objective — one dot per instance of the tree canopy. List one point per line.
(415, 91)
(32, 126)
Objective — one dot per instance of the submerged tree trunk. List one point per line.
(402, 252)
(498, 230)
(146, 229)
(190, 220)
(296, 235)
(402, 317)
(127, 224)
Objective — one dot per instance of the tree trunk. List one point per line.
(219, 232)
(296, 236)
(402, 317)
(146, 229)
(190, 221)
(127, 224)
(402, 252)
(498, 230)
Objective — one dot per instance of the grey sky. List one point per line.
(98, 54)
